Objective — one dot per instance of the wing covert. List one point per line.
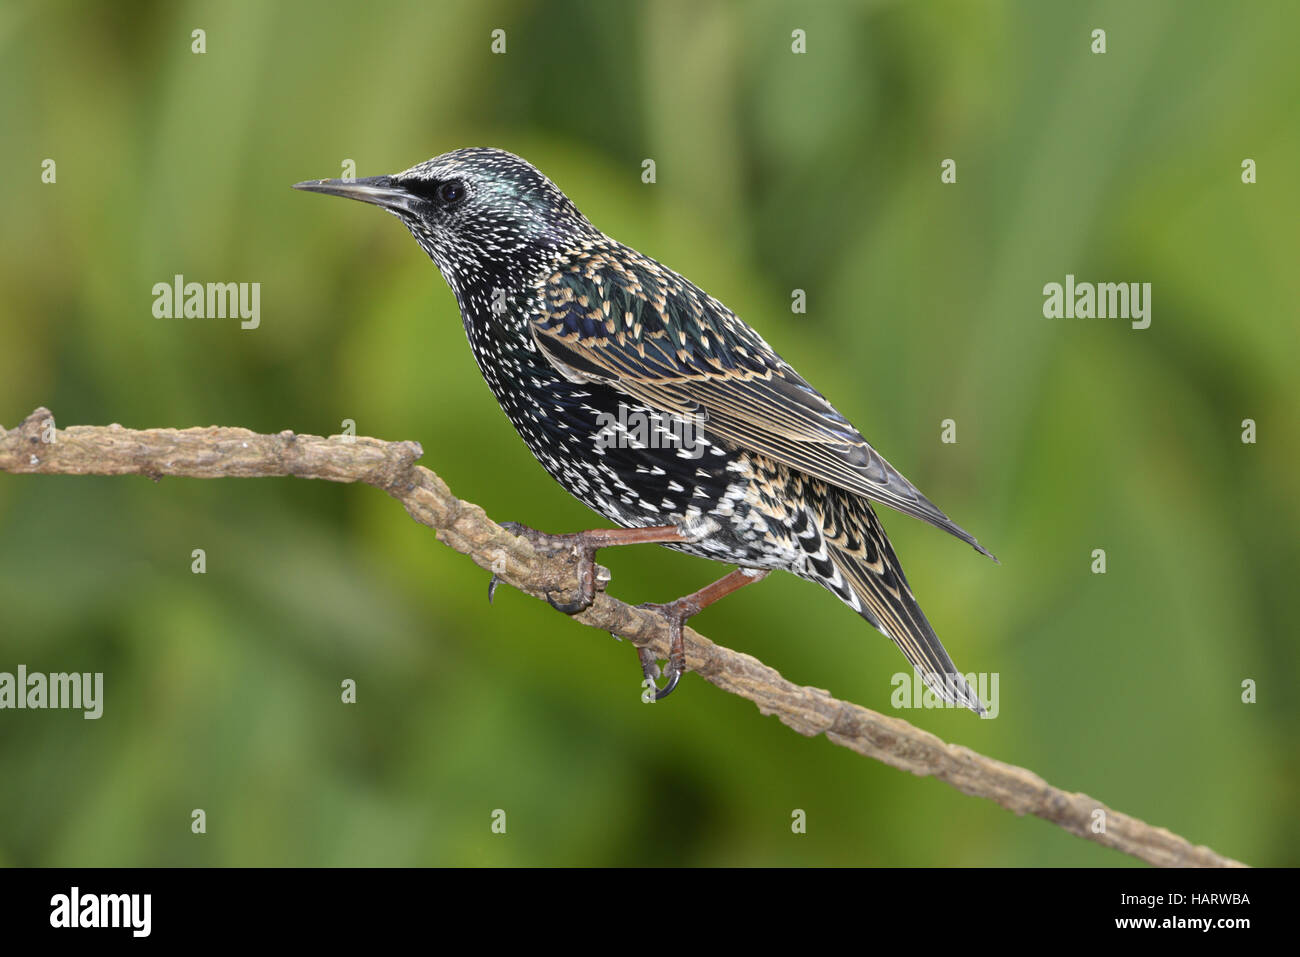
(614, 316)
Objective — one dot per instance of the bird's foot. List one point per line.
(675, 613)
(582, 547)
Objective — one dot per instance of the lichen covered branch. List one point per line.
(38, 447)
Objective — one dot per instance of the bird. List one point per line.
(658, 407)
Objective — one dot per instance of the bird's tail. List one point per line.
(878, 591)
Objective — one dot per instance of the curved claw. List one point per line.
(568, 607)
(650, 669)
(674, 676)
(492, 587)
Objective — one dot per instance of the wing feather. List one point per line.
(617, 317)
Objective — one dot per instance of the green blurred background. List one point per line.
(776, 171)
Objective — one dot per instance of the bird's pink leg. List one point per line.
(584, 546)
(677, 612)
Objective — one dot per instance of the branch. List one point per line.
(37, 446)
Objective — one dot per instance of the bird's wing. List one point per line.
(614, 316)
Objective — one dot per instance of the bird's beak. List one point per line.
(382, 191)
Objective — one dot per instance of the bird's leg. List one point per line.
(584, 545)
(677, 612)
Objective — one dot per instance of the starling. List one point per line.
(656, 406)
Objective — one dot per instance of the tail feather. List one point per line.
(882, 596)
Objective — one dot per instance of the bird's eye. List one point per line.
(451, 193)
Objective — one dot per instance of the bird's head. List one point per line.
(472, 210)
